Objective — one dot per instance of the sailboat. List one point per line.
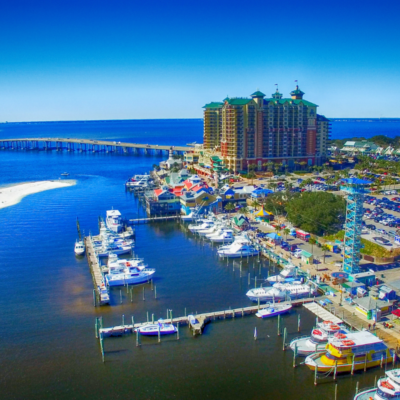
(79, 244)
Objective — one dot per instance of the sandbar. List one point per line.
(12, 195)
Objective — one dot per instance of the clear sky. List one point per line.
(81, 60)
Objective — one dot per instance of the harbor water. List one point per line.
(48, 346)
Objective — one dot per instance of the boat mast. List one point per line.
(79, 229)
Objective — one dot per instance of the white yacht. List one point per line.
(114, 221)
(208, 231)
(160, 327)
(130, 276)
(105, 249)
(266, 294)
(273, 310)
(290, 271)
(238, 250)
(139, 180)
(225, 236)
(387, 387)
(296, 289)
(79, 248)
(204, 224)
(117, 265)
(318, 339)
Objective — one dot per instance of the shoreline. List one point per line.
(14, 193)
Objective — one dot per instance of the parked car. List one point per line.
(382, 241)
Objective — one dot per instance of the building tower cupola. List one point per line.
(297, 94)
(258, 97)
(277, 95)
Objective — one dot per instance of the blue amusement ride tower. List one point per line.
(356, 189)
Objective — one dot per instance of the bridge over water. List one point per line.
(87, 145)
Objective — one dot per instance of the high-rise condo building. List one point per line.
(257, 130)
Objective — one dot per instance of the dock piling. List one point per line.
(352, 365)
(357, 387)
(298, 323)
(159, 334)
(255, 333)
(177, 330)
(152, 318)
(143, 294)
(336, 391)
(315, 375)
(335, 371)
(147, 313)
(284, 339)
(294, 355)
(120, 295)
(155, 292)
(94, 297)
(279, 325)
(123, 319)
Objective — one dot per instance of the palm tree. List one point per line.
(244, 210)
(273, 186)
(255, 204)
(286, 232)
(324, 248)
(229, 207)
(312, 241)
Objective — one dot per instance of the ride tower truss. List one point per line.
(356, 189)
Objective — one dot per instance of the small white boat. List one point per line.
(65, 174)
(204, 224)
(79, 248)
(290, 271)
(273, 310)
(117, 265)
(114, 221)
(130, 276)
(225, 236)
(207, 231)
(192, 319)
(265, 294)
(159, 328)
(187, 218)
(236, 250)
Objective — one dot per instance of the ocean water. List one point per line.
(47, 343)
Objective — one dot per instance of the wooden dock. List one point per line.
(149, 220)
(202, 319)
(101, 297)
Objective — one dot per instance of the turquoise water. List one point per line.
(47, 343)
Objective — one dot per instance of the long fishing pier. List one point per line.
(88, 146)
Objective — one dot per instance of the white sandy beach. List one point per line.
(12, 195)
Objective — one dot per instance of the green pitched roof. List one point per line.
(239, 101)
(296, 92)
(295, 101)
(258, 94)
(213, 105)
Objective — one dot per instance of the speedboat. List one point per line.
(266, 294)
(356, 350)
(225, 236)
(204, 224)
(114, 221)
(387, 387)
(159, 328)
(296, 289)
(65, 174)
(106, 249)
(130, 276)
(79, 248)
(318, 339)
(273, 310)
(289, 271)
(236, 250)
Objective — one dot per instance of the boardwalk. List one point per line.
(85, 145)
(148, 220)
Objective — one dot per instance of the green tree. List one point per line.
(229, 207)
(255, 204)
(273, 186)
(286, 232)
(316, 212)
(243, 210)
(324, 248)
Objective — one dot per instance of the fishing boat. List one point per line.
(208, 231)
(106, 249)
(204, 224)
(266, 294)
(387, 387)
(318, 339)
(290, 271)
(273, 310)
(114, 221)
(155, 329)
(117, 265)
(354, 350)
(129, 276)
(236, 250)
(225, 236)
(79, 248)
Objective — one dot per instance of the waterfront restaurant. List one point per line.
(370, 308)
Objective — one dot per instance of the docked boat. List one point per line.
(129, 276)
(225, 236)
(387, 387)
(114, 221)
(204, 224)
(273, 310)
(361, 349)
(211, 230)
(266, 294)
(105, 249)
(318, 339)
(236, 250)
(290, 271)
(139, 180)
(188, 218)
(117, 265)
(296, 289)
(155, 329)
(79, 248)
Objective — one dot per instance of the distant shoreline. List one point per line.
(355, 119)
(13, 194)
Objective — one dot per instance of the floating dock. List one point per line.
(320, 312)
(202, 319)
(100, 294)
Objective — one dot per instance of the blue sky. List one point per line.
(77, 60)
